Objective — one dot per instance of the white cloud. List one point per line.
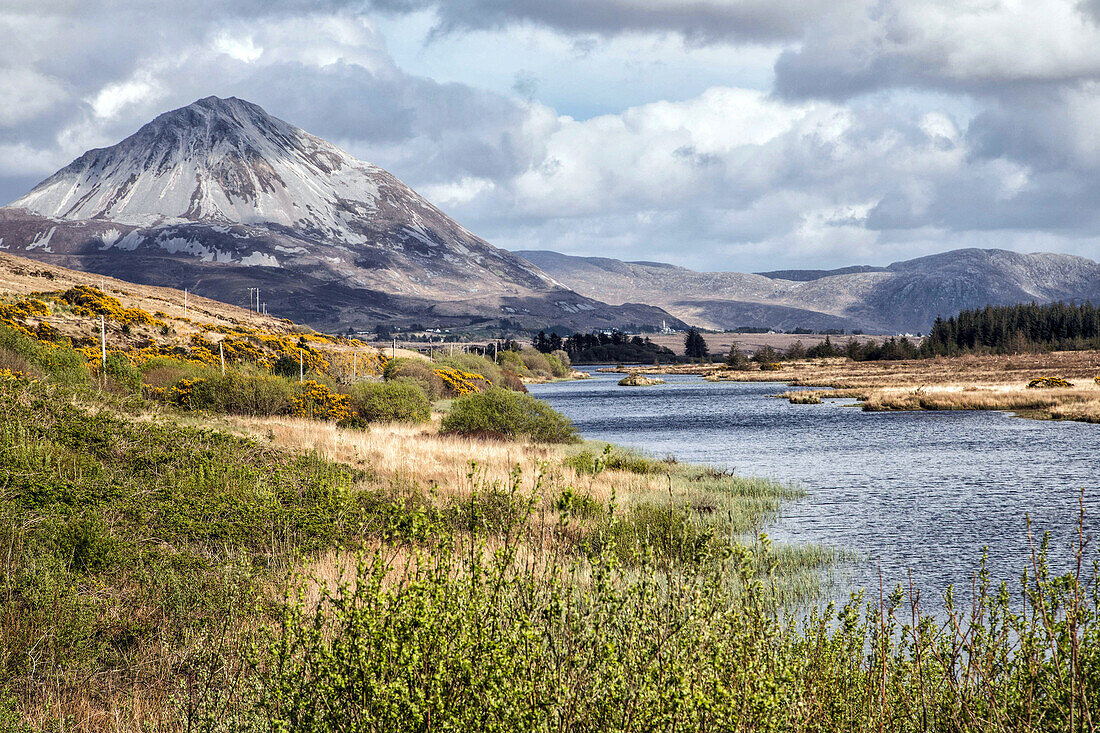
(113, 98)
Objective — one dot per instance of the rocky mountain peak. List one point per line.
(216, 160)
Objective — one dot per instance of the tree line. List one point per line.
(1006, 329)
(613, 346)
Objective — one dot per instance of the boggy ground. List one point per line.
(166, 571)
(143, 547)
(971, 382)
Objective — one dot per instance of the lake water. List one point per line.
(907, 491)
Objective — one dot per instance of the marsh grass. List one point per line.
(461, 636)
(151, 578)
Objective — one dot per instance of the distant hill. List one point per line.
(903, 297)
(220, 197)
(807, 275)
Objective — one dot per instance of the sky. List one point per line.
(744, 135)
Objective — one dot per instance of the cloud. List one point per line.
(893, 129)
(972, 46)
(327, 71)
(698, 21)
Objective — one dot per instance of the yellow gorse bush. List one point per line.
(1048, 383)
(318, 402)
(89, 301)
(15, 314)
(460, 382)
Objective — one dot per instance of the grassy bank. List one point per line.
(182, 550)
(145, 545)
(174, 571)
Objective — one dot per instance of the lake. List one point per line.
(906, 491)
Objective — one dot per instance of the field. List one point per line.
(973, 382)
(718, 344)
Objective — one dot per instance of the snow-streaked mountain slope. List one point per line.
(221, 161)
(218, 193)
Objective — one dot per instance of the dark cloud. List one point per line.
(698, 21)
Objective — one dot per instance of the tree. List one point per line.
(796, 351)
(736, 359)
(766, 354)
(541, 343)
(695, 346)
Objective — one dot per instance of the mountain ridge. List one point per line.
(905, 296)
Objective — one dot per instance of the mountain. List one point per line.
(807, 275)
(219, 197)
(903, 297)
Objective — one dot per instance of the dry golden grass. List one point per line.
(969, 382)
(407, 456)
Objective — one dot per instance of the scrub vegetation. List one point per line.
(182, 550)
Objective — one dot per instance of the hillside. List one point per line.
(903, 297)
(219, 196)
(57, 305)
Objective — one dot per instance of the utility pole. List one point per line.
(221, 353)
(185, 302)
(393, 354)
(301, 366)
(103, 342)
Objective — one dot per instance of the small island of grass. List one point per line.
(639, 380)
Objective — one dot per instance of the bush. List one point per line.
(1048, 383)
(510, 361)
(556, 367)
(123, 373)
(497, 412)
(61, 363)
(420, 371)
(514, 383)
(396, 401)
(537, 362)
(474, 364)
(236, 393)
(163, 372)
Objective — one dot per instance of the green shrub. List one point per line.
(123, 373)
(420, 371)
(585, 462)
(556, 367)
(497, 412)
(236, 393)
(86, 544)
(164, 371)
(633, 462)
(286, 366)
(510, 361)
(396, 401)
(537, 362)
(60, 363)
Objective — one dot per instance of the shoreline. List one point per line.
(971, 382)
